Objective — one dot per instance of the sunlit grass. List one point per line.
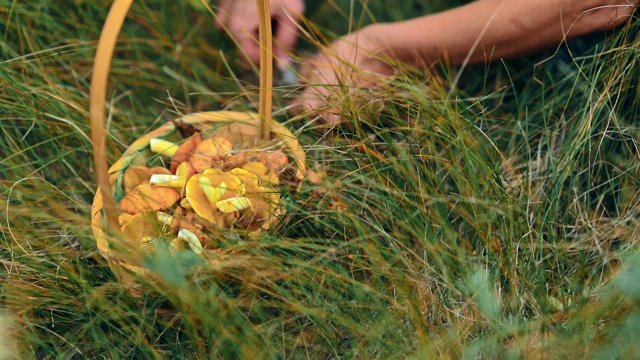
(499, 219)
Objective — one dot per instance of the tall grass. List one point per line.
(495, 219)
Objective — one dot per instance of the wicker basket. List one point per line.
(243, 130)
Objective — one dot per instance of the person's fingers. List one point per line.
(313, 102)
(318, 68)
(305, 70)
(285, 38)
(247, 39)
(221, 20)
(286, 32)
(222, 15)
(250, 46)
(320, 97)
(240, 19)
(327, 94)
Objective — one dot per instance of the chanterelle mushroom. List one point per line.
(204, 191)
(146, 197)
(141, 229)
(178, 181)
(163, 147)
(263, 198)
(210, 151)
(136, 175)
(184, 152)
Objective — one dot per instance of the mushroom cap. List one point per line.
(141, 228)
(162, 147)
(244, 129)
(277, 161)
(137, 174)
(184, 171)
(209, 152)
(263, 172)
(184, 152)
(201, 162)
(215, 146)
(204, 190)
(146, 197)
(263, 197)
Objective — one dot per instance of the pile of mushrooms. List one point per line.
(207, 187)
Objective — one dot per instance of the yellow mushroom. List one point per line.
(215, 146)
(198, 200)
(264, 173)
(210, 192)
(233, 204)
(177, 181)
(165, 218)
(123, 218)
(146, 197)
(276, 161)
(191, 239)
(137, 174)
(264, 199)
(186, 204)
(177, 244)
(205, 191)
(184, 152)
(210, 152)
(163, 147)
(141, 229)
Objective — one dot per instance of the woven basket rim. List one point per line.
(217, 119)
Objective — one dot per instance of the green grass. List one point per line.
(497, 219)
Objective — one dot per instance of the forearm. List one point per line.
(487, 30)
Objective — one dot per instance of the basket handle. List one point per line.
(99, 79)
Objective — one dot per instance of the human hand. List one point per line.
(342, 69)
(240, 18)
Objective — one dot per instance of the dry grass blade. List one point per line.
(99, 80)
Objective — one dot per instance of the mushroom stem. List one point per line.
(191, 239)
(266, 68)
(172, 181)
(163, 147)
(164, 218)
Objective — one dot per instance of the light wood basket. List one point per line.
(245, 130)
